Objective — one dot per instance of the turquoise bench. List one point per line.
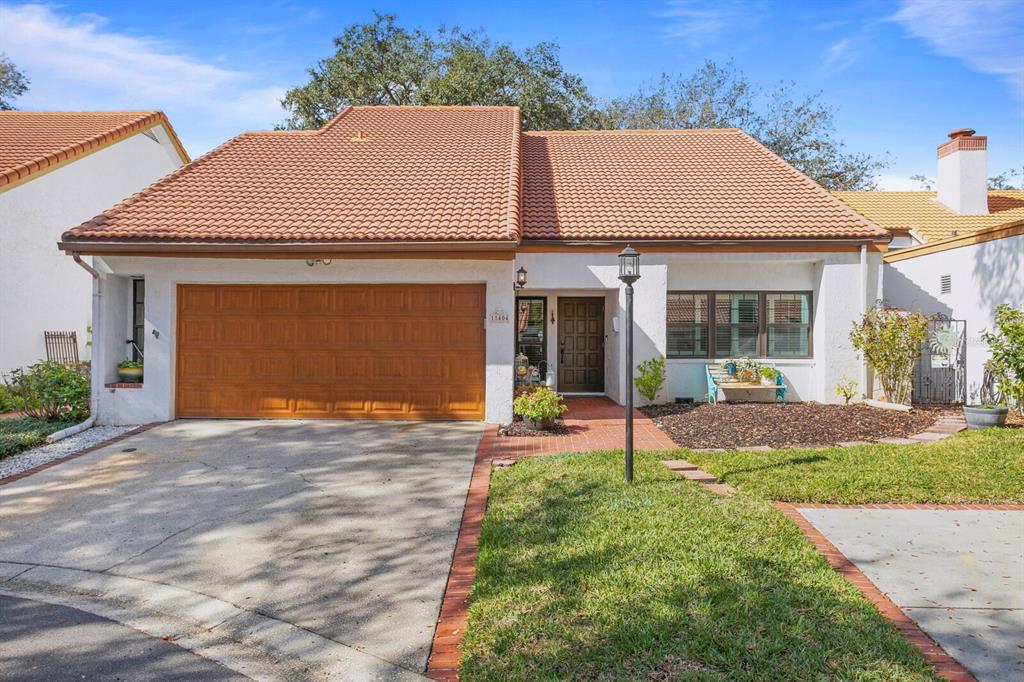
(719, 379)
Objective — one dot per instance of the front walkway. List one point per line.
(957, 573)
(595, 423)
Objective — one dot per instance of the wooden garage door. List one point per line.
(332, 351)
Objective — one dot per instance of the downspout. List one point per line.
(866, 392)
(94, 388)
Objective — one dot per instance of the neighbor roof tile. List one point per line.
(32, 141)
(678, 184)
(372, 173)
(929, 219)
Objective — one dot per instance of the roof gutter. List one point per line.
(255, 248)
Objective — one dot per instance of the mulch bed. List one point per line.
(776, 425)
(518, 428)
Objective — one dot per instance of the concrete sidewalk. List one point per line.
(958, 573)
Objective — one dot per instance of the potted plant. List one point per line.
(539, 408)
(130, 371)
(982, 415)
(769, 376)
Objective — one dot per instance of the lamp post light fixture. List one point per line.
(520, 279)
(629, 273)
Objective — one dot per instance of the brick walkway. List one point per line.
(596, 423)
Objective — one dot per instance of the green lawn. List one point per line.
(581, 577)
(971, 467)
(24, 433)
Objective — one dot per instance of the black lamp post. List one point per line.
(629, 272)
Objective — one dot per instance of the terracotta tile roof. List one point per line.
(922, 212)
(687, 184)
(32, 141)
(373, 173)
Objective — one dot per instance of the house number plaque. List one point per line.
(499, 316)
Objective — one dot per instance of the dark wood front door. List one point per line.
(581, 344)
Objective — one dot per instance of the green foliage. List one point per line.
(130, 364)
(13, 83)
(540, 404)
(799, 128)
(7, 403)
(580, 577)
(768, 373)
(24, 433)
(973, 467)
(846, 389)
(49, 391)
(651, 378)
(383, 63)
(1006, 344)
(891, 341)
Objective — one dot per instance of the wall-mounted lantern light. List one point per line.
(520, 279)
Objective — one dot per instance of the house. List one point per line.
(957, 252)
(368, 269)
(56, 169)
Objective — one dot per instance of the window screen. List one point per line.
(688, 326)
(736, 324)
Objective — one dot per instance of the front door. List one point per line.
(581, 345)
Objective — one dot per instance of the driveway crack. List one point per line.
(149, 549)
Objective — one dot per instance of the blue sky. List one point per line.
(902, 73)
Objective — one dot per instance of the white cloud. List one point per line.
(81, 62)
(987, 35)
(897, 183)
(700, 23)
(841, 54)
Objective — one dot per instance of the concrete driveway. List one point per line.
(278, 549)
(958, 573)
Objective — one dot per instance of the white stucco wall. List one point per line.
(41, 288)
(963, 181)
(155, 400)
(981, 275)
(834, 278)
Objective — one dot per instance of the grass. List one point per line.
(581, 577)
(971, 467)
(24, 433)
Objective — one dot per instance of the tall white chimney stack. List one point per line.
(963, 172)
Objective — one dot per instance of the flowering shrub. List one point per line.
(50, 391)
(891, 341)
(541, 404)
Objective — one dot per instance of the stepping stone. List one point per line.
(699, 476)
(709, 449)
(898, 441)
(502, 463)
(721, 488)
(678, 464)
(950, 427)
(755, 448)
(852, 443)
(930, 436)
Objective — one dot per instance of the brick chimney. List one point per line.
(963, 172)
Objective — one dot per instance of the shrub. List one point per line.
(50, 391)
(891, 341)
(24, 433)
(652, 377)
(846, 389)
(1006, 344)
(7, 403)
(130, 364)
(540, 404)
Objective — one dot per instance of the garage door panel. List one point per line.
(316, 351)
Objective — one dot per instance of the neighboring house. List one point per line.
(56, 169)
(958, 252)
(367, 269)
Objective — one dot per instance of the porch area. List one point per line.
(594, 423)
